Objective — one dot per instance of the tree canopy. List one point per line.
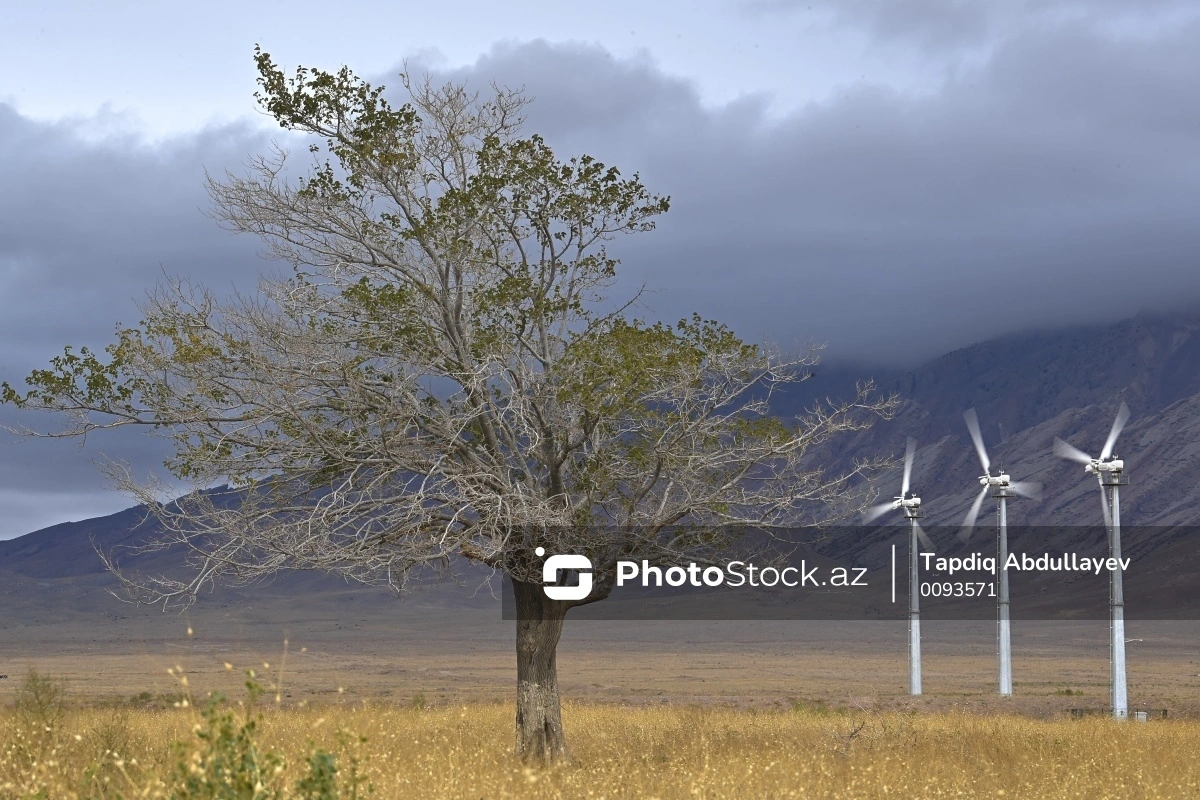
(443, 373)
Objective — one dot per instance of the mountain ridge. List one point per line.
(1028, 389)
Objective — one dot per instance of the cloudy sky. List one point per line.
(898, 178)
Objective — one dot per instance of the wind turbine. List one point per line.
(912, 511)
(1001, 487)
(1110, 472)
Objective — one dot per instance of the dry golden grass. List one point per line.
(622, 751)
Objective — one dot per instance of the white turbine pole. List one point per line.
(911, 506)
(914, 612)
(1004, 630)
(1001, 487)
(1110, 470)
(1120, 699)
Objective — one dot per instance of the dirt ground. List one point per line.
(434, 656)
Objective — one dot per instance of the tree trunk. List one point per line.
(540, 737)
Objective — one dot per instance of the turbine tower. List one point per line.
(1110, 472)
(912, 511)
(1002, 488)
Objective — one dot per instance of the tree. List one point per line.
(442, 374)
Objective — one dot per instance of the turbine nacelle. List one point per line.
(1001, 485)
(1107, 462)
(1096, 465)
(995, 480)
(906, 501)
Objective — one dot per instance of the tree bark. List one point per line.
(540, 736)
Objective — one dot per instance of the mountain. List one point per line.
(66, 551)
(1028, 389)
(54, 576)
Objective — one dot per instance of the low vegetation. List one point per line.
(250, 750)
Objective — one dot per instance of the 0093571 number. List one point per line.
(958, 589)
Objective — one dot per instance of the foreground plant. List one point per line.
(40, 705)
(226, 762)
(444, 375)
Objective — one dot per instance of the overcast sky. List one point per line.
(898, 178)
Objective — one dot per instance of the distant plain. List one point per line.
(364, 644)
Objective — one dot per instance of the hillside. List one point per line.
(1031, 388)
(1028, 389)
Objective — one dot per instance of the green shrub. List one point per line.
(41, 701)
(226, 762)
(321, 781)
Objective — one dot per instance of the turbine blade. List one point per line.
(973, 514)
(973, 426)
(875, 512)
(1064, 450)
(1027, 489)
(923, 537)
(909, 451)
(1104, 506)
(1118, 425)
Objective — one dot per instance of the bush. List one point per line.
(226, 762)
(41, 701)
(321, 781)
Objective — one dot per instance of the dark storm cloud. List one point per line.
(85, 229)
(1057, 182)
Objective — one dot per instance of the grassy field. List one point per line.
(708, 710)
(620, 751)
